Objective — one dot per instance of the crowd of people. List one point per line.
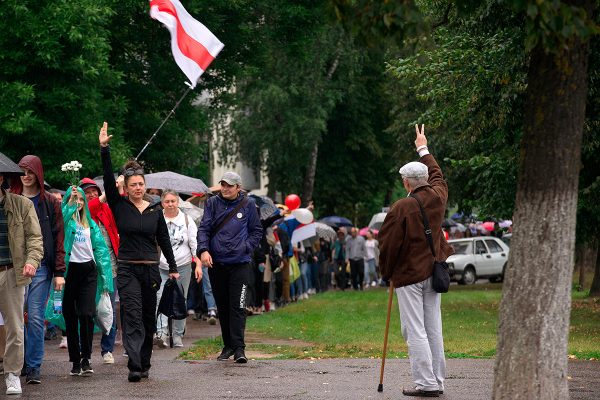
(126, 242)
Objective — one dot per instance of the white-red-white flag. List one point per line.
(194, 46)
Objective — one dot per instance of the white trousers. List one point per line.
(421, 323)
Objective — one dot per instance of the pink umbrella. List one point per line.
(363, 231)
(488, 226)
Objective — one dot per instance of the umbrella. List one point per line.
(174, 181)
(377, 220)
(505, 224)
(265, 205)
(325, 231)
(488, 226)
(8, 166)
(192, 211)
(363, 231)
(336, 222)
(447, 223)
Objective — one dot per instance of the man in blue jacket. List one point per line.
(228, 234)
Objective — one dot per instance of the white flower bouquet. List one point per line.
(71, 170)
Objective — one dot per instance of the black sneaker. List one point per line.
(24, 370)
(239, 356)
(76, 370)
(86, 368)
(134, 376)
(33, 376)
(145, 374)
(225, 354)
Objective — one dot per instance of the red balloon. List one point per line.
(292, 201)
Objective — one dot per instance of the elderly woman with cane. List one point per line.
(141, 227)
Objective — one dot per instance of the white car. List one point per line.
(478, 257)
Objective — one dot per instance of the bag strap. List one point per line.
(230, 215)
(425, 224)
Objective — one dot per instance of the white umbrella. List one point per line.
(325, 231)
(377, 220)
(192, 211)
(174, 181)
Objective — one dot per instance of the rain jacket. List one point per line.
(235, 242)
(24, 235)
(50, 216)
(101, 255)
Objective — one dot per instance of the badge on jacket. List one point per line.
(239, 215)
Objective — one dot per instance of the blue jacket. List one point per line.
(236, 240)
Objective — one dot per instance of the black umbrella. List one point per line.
(266, 206)
(8, 166)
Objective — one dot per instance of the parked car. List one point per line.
(478, 257)
(506, 238)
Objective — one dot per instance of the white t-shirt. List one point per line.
(183, 240)
(82, 246)
(370, 245)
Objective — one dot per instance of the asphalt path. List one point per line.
(268, 379)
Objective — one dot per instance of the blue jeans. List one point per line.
(207, 289)
(107, 343)
(304, 280)
(314, 274)
(36, 296)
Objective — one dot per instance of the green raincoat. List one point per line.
(101, 254)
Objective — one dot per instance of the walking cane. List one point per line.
(385, 338)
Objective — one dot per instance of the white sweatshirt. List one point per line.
(183, 240)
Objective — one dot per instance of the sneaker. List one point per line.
(76, 370)
(145, 374)
(108, 358)
(125, 354)
(160, 341)
(226, 354)
(177, 341)
(212, 317)
(50, 334)
(191, 311)
(13, 384)
(134, 376)
(24, 370)
(239, 356)
(86, 368)
(33, 376)
(63, 343)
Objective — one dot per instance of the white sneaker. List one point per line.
(63, 343)
(108, 358)
(13, 384)
(177, 341)
(160, 342)
(373, 284)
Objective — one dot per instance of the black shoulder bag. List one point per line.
(230, 215)
(441, 274)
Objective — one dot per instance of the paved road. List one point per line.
(268, 379)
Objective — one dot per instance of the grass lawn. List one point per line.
(351, 324)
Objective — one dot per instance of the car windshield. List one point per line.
(460, 247)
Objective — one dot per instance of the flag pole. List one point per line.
(164, 121)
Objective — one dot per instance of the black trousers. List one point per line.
(340, 274)
(138, 284)
(230, 285)
(357, 272)
(79, 308)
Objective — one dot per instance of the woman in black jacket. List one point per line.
(141, 226)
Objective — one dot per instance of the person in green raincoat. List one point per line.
(89, 274)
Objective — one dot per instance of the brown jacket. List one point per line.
(24, 235)
(405, 256)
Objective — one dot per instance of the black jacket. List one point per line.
(139, 233)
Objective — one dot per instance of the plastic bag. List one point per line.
(104, 313)
(51, 316)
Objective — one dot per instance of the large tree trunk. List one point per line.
(531, 361)
(595, 289)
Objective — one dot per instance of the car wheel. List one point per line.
(501, 277)
(469, 276)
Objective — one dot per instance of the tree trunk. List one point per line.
(311, 171)
(531, 361)
(595, 289)
(585, 259)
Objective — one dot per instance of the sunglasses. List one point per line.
(132, 171)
